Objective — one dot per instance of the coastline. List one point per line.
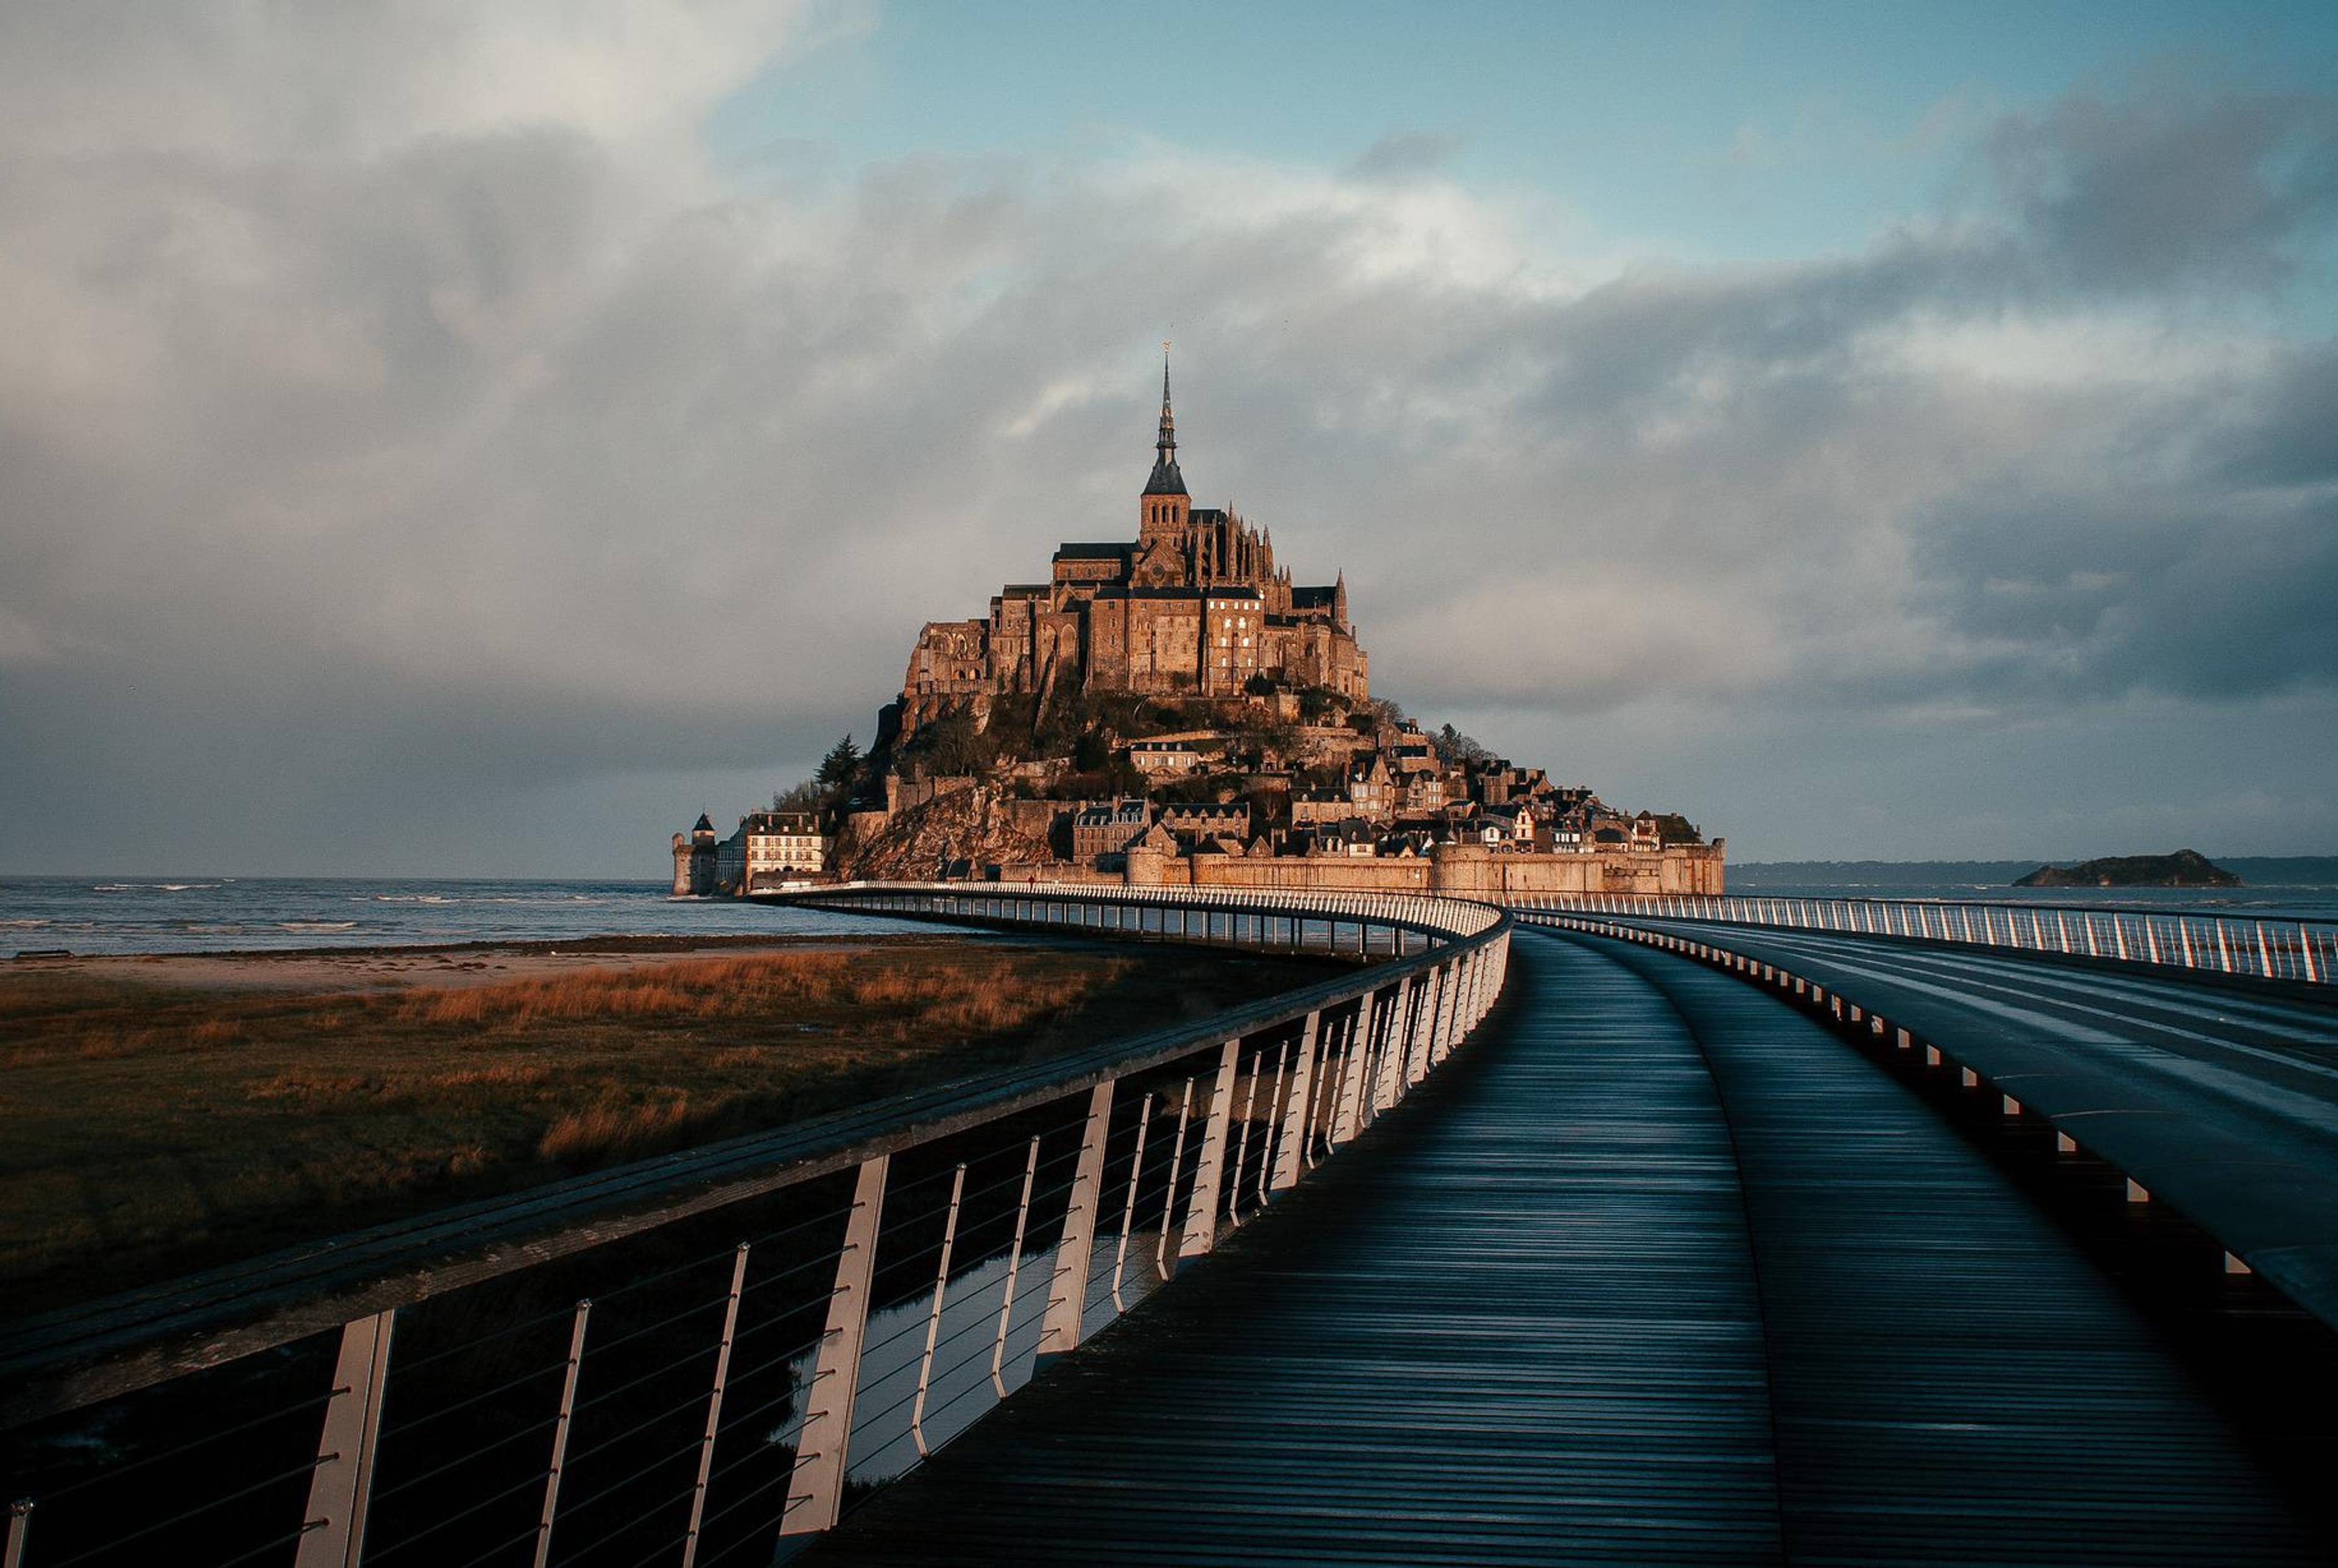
(389, 967)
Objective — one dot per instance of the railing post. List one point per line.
(816, 1487)
(1432, 1010)
(1161, 1264)
(1242, 1145)
(1293, 1143)
(1394, 1043)
(934, 1313)
(1416, 1029)
(1067, 1293)
(1326, 1046)
(1448, 1008)
(1347, 1115)
(1014, 1269)
(1128, 1213)
(560, 1433)
(1209, 1175)
(342, 1483)
(1473, 973)
(715, 1407)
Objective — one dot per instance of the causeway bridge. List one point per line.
(1582, 1230)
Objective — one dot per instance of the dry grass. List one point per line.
(613, 1134)
(973, 994)
(146, 1130)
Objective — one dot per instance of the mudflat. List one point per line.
(160, 1115)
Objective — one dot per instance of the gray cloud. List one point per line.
(2159, 189)
(1406, 155)
(414, 442)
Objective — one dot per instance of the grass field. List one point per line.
(149, 1127)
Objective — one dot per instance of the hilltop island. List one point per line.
(1178, 711)
(2185, 869)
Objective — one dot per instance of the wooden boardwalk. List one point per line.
(1658, 1272)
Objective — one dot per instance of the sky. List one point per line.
(442, 440)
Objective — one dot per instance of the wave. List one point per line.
(316, 924)
(22, 925)
(152, 887)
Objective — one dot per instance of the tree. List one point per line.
(1458, 749)
(839, 767)
(806, 796)
(949, 745)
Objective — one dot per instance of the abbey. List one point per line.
(1195, 606)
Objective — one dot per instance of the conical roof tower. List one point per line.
(1166, 480)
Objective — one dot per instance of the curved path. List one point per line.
(1658, 1271)
(2222, 1103)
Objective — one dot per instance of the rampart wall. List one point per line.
(1468, 871)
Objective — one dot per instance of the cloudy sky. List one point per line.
(471, 439)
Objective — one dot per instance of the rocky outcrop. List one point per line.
(2185, 869)
(966, 829)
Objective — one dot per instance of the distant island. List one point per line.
(2185, 869)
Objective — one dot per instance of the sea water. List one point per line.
(2251, 903)
(136, 915)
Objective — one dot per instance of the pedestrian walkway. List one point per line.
(1658, 1271)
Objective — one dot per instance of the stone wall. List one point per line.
(1465, 870)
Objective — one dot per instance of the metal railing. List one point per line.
(690, 1359)
(1375, 925)
(2303, 952)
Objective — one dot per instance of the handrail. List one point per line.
(1336, 1054)
(1436, 913)
(2284, 951)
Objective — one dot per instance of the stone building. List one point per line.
(769, 847)
(694, 860)
(1164, 756)
(1195, 606)
(1194, 823)
(782, 847)
(1102, 832)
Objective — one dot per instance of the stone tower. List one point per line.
(694, 859)
(1166, 508)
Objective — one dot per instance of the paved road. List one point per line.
(2221, 1103)
(1658, 1271)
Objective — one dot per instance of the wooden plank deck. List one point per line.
(1952, 1381)
(1658, 1272)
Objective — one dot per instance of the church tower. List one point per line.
(1166, 507)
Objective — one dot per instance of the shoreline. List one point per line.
(391, 965)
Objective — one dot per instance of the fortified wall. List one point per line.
(1463, 870)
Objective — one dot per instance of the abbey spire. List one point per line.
(1196, 607)
(1166, 480)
